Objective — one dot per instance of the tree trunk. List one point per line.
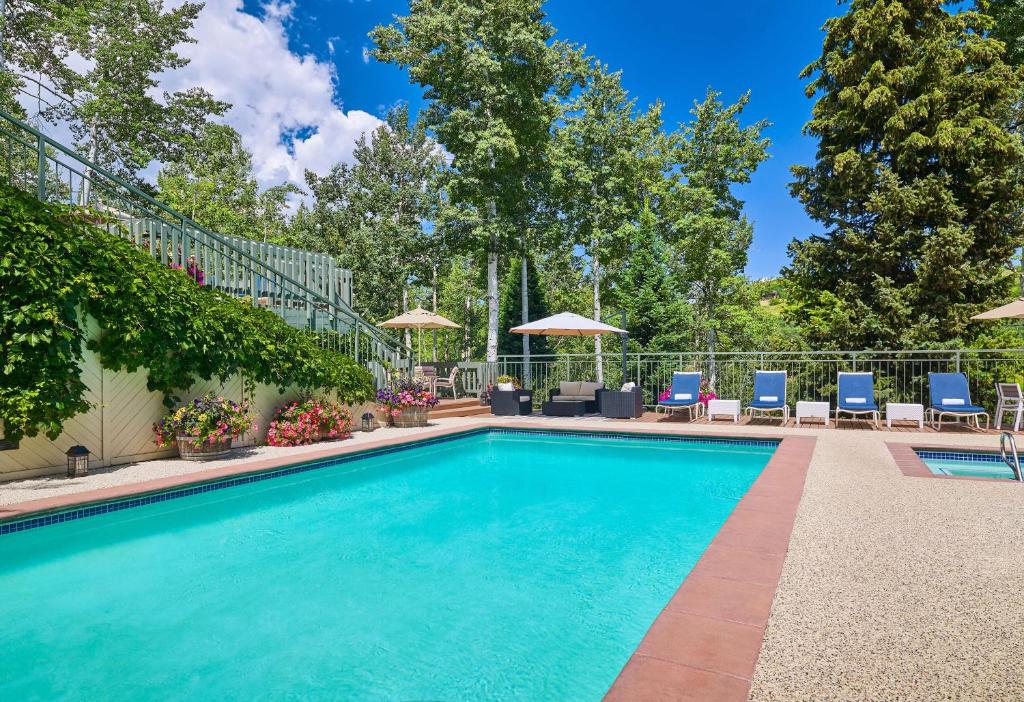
(433, 290)
(467, 351)
(3, 33)
(596, 266)
(525, 294)
(405, 308)
(492, 286)
(87, 173)
(712, 365)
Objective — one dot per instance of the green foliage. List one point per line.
(658, 317)
(56, 270)
(99, 63)
(708, 233)
(1008, 27)
(607, 158)
(492, 77)
(370, 215)
(917, 178)
(511, 309)
(213, 183)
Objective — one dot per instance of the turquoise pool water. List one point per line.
(966, 464)
(490, 567)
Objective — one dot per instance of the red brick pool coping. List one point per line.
(705, 643)
(911, 465)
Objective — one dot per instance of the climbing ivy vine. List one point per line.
(56, 269)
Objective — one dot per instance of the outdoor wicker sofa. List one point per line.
(578, 391)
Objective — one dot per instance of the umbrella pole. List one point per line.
(625, 349)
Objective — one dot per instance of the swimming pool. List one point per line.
(968, 464)
(498, 565)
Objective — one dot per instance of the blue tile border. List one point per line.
(968, 456)
(67, 515)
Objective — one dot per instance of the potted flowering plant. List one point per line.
(406, 404)
(308, 421)
(204, 428)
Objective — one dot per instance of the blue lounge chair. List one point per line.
(857, 395)
(769, 394)
(684, 394)
(950, 396)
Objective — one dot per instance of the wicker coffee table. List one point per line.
(568, 408)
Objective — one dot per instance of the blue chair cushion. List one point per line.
(959, 409)
(677, 403)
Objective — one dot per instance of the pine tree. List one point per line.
(511, 309)
(656, 315)
(916, 179)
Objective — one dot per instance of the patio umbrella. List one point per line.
(567, 324)
(419, 319)
(1013, 310)
(570, 324)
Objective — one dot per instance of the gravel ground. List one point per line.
(897, 588)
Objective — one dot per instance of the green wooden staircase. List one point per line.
(307, 289)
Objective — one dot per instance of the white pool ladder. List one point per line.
(1006, 456)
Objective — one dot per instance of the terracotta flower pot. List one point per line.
(191, 450)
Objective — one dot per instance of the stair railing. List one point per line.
(53, 172)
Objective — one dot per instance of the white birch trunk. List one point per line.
(492, 285)
(433, 290)
(596, 265)
(405, 308)
(525, 295)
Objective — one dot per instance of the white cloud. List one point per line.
(366, 54)
(246, 61)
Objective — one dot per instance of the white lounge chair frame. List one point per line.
(766, 411)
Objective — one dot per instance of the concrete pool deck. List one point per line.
(894, 587)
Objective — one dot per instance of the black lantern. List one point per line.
(369, 422)
(78, 461)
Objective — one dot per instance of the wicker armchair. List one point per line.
(511, 403)
(618, 404)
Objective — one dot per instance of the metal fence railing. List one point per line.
(900, 376)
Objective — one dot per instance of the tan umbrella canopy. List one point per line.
(419, 319)
(567, 324)
(1014, 310)
(571, 324)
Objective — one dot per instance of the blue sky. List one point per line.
(670, 50)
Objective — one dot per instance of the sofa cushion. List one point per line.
(627, 387)
(569, 387)
(589, 389)
(572, 398)
(506, 387)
